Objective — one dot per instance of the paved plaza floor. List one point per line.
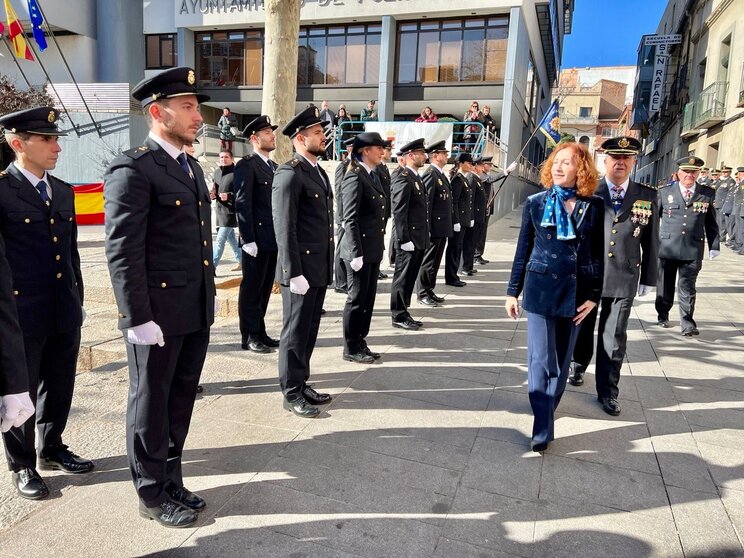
(425, 453)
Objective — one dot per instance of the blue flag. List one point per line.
(37, 20)
(550, 124)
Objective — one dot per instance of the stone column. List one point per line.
(385, 104)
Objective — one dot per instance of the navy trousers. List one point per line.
(550, 344)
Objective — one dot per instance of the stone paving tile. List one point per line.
(508, 418)
(726, 465)
(682, 463)
(448, 548)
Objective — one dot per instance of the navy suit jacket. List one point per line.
(557, 276)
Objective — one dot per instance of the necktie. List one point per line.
(185, 165)
(271, 164)
(688, 195)
(41, 186)
(322, 179)
(617, 198)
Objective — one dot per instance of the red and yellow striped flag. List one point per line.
(15, 32)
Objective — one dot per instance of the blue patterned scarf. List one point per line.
(555, 214)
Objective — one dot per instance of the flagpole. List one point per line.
(13, 56)
(537, 128)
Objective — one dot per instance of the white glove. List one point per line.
(357, 263)
(85, 314)
(146, 334)
(298, 285)
(713, 254)
(472, 223)
(510, 168)
(15, 410)
(407, 247)
(251, 249)
(645, 289)
(457, 227)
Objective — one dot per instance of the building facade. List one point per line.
(689, 93)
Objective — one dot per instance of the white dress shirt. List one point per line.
(34, 180)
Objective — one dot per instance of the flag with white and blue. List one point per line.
(37, 20)
(550, 124)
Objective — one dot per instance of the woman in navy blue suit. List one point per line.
(559, 265)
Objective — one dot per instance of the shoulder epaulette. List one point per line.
(649, 186)
(137, 152)
(3, 174)
(404, 172)
(294, 162)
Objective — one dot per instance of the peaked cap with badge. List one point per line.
(303, 120)
(258, 124)
(40, 120)
(415, 145)
(367, 139)
(437, 147)
(622, 145)
(690, 163)
(175, 82)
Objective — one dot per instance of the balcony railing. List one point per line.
(688, 120)
(573, 120)
(711, 106)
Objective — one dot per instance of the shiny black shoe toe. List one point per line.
(426, 300)
(30, 485)
(610, 406)
(301, 408)
(662, 322)
(373, 354)
(185, 497)
(576, 378)
(169, 514)
(382, 275)
(256, 346)
(539, 447)
(315, 398)
(470, 272)
(406, 324)
(457, 283)
(64, 460)
(436, 298)
(691, 332)
(360, 358)
(270, 342)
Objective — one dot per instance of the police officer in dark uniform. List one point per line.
(722, 190)
(159, 250)
(688, 218)
(473, 233)
(254, 175)
(738, 213)
(462, 214)
(341, 272)
(37, 221)
(411, 224)
(440, 209)
(383, 173)
(728, 207)
(631, 232)
(704, 179)
(488, 179)
(302, 203)
(363, 242)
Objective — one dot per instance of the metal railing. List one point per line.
(688, 118)
(568, 119)
(712, 103)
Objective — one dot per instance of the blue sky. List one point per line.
(607, 32)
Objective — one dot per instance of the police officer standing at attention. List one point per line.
(341, 271)
(254, 176)
(722, 190)
(704, 179)
(411, 223)
(383, 173)
(159, 250)
(478, 219)
(302, 203)
(37, 221)
(488, 180)
(729, 208)
(462, 214)
(440, 210)
(688, 218)
(631, 225)
(738, 214)
(363, 242)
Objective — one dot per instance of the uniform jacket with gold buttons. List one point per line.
(13, 371)
(41, 248)
(363, 216)
(440, 202)
(479, 198)
(684, 227)
(302, 204)
(559, 275)
(410, 209)
(462, 201)
(632, 240)
(252, 180)
(383, 173)
(159, 241)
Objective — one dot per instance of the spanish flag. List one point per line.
(15, 32)
(89, 203)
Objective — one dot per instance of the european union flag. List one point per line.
(550, 124)
(37, 20)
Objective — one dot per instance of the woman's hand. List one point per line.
(512, 307)
(583, 311)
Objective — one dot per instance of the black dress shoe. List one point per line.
(542, 446)
(663, 322)
(457, 283)
(371, 353)
(481, 261)
(169, 514)
(691, 332)
(426, 300)
(436, 298)
(301, 408)
(256, 346)
(406, 323)
(610, 405)
(576, 378)
(63, 459)
(470, 272)
(340, 291)
(315, 398)
(30, 485)
(418, 323)
(269, 342)
(360, 358)
(322, 311)
(186, 498)
(382, 275)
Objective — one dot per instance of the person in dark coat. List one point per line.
(401, 160)
(363, 242)
(631, 227)
(488, 179)
(159, 250)
(411, 223)
(559, 266)
(722, 189)
(38, 224)
(383, 173)
(462, 214)
(341, 271)
(739, 211)
(253, 178)
(688, 218)
(440, 211)
(302, 204)
(474, 231)
(225, 209)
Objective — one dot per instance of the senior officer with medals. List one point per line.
(411, 223)
(37, 222)
(253, 178)
(159, 250)
(631, 225)
(363, 242)
(688, 219)
(440, 210)
(302, 204)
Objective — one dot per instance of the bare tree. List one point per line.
(282, 29)
(12, 98)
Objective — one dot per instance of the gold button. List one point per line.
(202, 223)
(121, 315)
(15, 293)
(205, 243)
(178, 202)
(307, 251)
(610, 255)
(639, 265)
(316, 195)
(59, 276)
(206, 263)
(27, 220)
(57, 257)
(612, 243)
(70, 219)
(364, 235)
(163, 284)
(260, 224)
(614, 231)
(55, 239)
(51, 221)
(683, 232)
(200, 204)
(615, 221)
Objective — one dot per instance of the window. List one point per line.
(231, 59)
(452, 51)
(585, 112)
(160, 51)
